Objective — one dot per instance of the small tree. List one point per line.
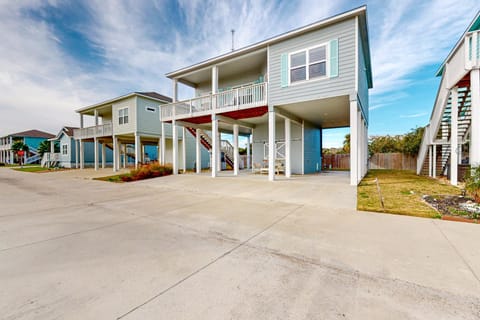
(411, 141)
(44, 147)
(346, 143)
(472, 183)
(18, 146)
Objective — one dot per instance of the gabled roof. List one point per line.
(65, 130)
(33, 134)
(474, 26)
(361, 12)
(149, 95)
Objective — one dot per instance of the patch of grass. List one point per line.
(115, 178)
(32, 169)
(402, 193)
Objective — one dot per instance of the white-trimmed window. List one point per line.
(64, 149)
(123, 116)
(308, 64)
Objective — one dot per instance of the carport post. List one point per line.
(236, 157)
(104, 155)
(248, 151)
(175, 147)
(454, 138)
(95, 153)
(163, 144)
(214, 145)
(115, 151)
(198, 159)
(82, 154)
(288, 134)
(137, 150)
(184, 149)
(353, 143)
(271, 144)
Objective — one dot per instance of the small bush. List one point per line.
(472, 183)
(148, 171)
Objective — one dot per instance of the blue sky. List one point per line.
(58, 56)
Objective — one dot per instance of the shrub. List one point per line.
(472, 183)
(148, 171)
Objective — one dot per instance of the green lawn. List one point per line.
(31, 169)
(402, 193)
(115, 178)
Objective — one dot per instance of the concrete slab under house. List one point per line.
(451, 142)
(126, 125)
(280, 94)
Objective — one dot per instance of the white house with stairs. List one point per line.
(125, 125)
(280, 94)
(452, 137)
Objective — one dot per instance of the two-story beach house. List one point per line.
(281, 93)
(125, 125)
(451, 140)
(32, 138)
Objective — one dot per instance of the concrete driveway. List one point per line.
(191, 247)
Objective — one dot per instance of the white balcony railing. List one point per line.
(472, 50)
(243, 97)
(6, 146)
(95, 131)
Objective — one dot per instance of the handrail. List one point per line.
(247, 96)
(94, 131)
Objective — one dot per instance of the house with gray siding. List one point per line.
(280, 94)
(127, 125)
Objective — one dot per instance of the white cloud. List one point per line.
(415, 115)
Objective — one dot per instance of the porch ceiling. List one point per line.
(325, 113)
(227, 69)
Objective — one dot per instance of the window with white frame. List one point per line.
(308, 64)
(64, 149)
(123, 116)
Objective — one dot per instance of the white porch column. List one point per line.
(95, 153)
(271, 144)
(475, 125)
(353, 143)
(288, 138)
(76, 153)
(460, 153)
(82, 154)
(215, 143)
(175, 147)
(12, 160)
(198, 158)
(115, 153)
(174, 90)
(219, 151)
(52, 147)
(159, 150)
(454, 138)
(248, 152)
(125, 156)
(162, 158)
(434, 162)
(104, 155)
(138, 150)
(236, 158)
(214, 79)
(430, 153)
(184, 149)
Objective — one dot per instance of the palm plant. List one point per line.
(18, 146)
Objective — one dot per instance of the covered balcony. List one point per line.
(102, 130)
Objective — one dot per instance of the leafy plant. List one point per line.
(148, 171)
(472, 183)
(44, 147)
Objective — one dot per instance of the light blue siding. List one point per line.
(343, 84)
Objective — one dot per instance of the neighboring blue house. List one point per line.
(32, 138)
(68, 157)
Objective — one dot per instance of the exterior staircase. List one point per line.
(35, 156)
(225, 146)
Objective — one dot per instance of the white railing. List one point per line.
(6, 146)
(95, 131)
(242, 97)
(49, 158)
(472, 50)
(279, 150)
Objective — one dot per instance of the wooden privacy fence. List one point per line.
(336, 161)
(393, 161)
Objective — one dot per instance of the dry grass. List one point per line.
(402, 192)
